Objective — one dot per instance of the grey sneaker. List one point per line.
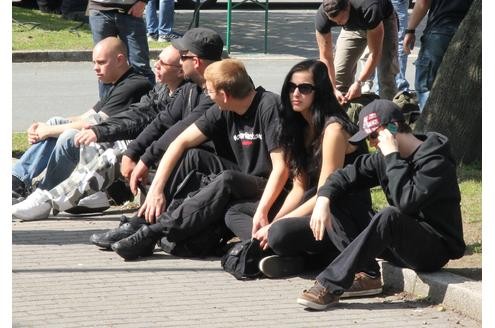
(276, 266)
(364, 285)
(318, 298)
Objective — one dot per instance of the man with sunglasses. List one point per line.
(371, 23)
(422, 227)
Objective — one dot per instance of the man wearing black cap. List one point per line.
(199, 47)
(422, 227)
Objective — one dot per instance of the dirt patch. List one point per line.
(470, 264)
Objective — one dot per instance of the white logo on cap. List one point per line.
(371, 122)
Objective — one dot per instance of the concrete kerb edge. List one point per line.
(86, 55)
(453, 291)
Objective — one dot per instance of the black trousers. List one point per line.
(294, 237)
(209, 205)
(196, 159)
(391, 235)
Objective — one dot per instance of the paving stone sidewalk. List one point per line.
(60, 280)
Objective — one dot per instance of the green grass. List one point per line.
(34, 30)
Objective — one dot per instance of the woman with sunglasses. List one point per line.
(314, 131)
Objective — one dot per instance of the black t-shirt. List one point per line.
(127, 90)
(251, 136)
(364, 15)
(446, 13)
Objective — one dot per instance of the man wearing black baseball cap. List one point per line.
(422, 227)
(202, 42)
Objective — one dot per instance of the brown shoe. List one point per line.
(318, 297)
(364, 285)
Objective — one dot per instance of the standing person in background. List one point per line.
(160, 26)
(401, 7)
(443, 20)
(123, 19)
(364, 23)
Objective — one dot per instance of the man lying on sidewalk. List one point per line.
(53, 141)
(422, 227)
(175, 115)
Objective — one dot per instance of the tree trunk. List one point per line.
(454, 105)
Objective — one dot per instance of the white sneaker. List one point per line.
(276, 266)
(36, 206)
(94, 203)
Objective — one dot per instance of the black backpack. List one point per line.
(242, 260)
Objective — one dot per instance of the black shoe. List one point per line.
(19, 189)
(140, 244)
(106, 239)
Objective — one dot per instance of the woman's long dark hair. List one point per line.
(293, 125)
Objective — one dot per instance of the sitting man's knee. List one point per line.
(67, 137)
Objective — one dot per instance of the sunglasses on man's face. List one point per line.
(304, 88)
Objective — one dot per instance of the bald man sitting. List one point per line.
(53, 145)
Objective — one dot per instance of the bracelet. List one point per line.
(410, 31)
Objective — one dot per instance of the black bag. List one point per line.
(242, 260)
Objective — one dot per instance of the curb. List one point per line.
(58, 55)
(86, 55)
(455, 292)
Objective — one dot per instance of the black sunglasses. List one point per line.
(304, 88)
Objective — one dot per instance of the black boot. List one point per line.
(140, 244)
(125, 229)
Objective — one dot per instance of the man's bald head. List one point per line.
(110, 59)
(167, 67)
(112, 45)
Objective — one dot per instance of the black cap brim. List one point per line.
(179, 44)
(358, 136)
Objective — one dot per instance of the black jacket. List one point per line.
(189, 104)
(423, 186)
(127, 125)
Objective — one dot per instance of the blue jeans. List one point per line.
(132, 31)
(35, 159)
(434, 43)
(162, 23)
(62, 161)
(401, 7)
